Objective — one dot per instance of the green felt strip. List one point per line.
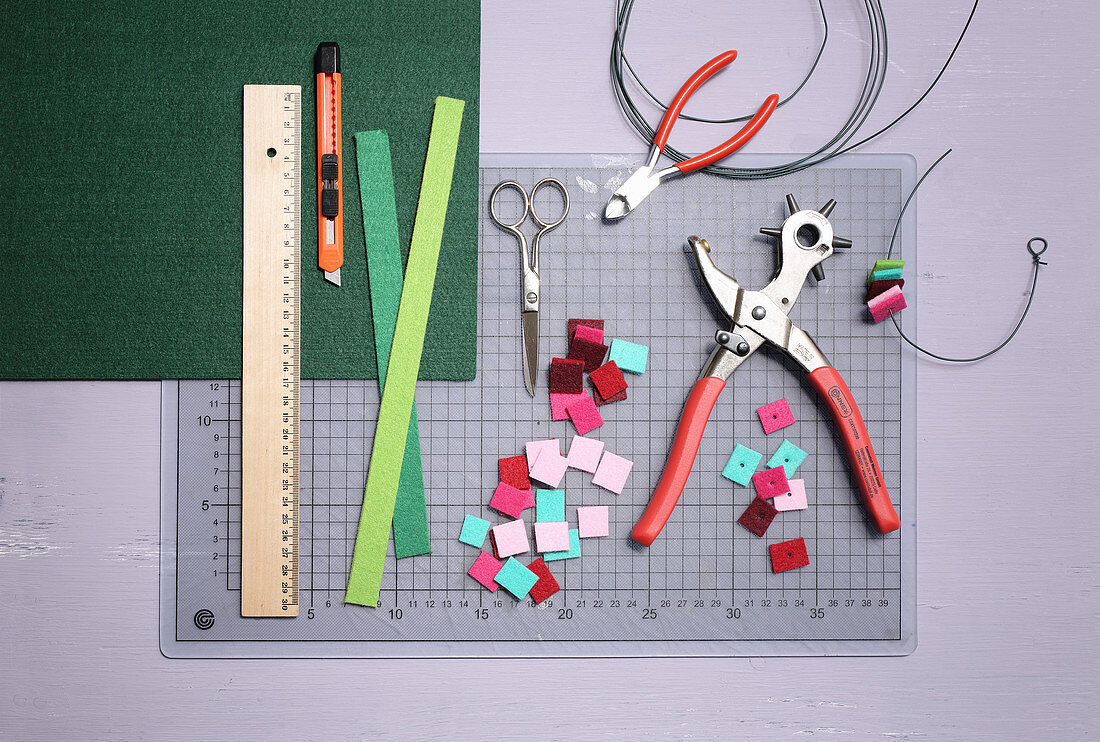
(395, 411)
(372, 151)
(885, 265)
(120, 235)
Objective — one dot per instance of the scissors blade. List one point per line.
(530, 349)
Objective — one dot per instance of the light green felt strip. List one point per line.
(384, 270)
(384, 473)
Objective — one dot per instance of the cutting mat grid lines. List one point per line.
(706, 585)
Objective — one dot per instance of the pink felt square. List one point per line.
(888, 301)
(584, 453)
(794, 499)
(592, 521)
(509, 538)
(560, 400)
(595, 334)
(549, 468)
(775, 416)
(612, 472)
(533, 448)
(511, 501)
(484, 569)
(771, 482)
(552, 536)
(583, 413)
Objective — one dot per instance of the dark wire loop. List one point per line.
(1030, 296)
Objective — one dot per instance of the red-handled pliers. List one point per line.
(758, 317)
(643, 181)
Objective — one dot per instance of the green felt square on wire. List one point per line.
(886, 265)
(628, 356)
(549, 506)
(741, 465)
(474, 530)
(789, 456)
(516, 579)
(574, 548)
(886, 275)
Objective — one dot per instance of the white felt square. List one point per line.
(552, 536)
(584, 453)
(795, 499)
(549, 467)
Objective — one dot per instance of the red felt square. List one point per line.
(608, 380)
(878, 287)
(758, 516)
(546, 586)
(789, 555)
(771, 482)
(595, 323)
(585, 350)
(600, 401)
(513, 471)
(566, 376)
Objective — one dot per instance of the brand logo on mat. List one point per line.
(204, 619)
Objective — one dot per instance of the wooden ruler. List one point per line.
(270, 371)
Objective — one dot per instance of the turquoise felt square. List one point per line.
(473, 531)
(629, 356)
(789, 456)
(886, 275)
(549, 506)
(741, 465)
(574, 549)
(516, 579)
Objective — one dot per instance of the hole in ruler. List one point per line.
(271, 152)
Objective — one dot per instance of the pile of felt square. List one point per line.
(884, 296)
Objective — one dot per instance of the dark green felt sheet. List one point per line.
(120, 220)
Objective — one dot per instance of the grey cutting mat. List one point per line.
(705, 586)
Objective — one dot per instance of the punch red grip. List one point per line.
(857, 444)
(673, 112)
(689, 433)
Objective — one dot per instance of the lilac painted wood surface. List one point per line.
(1008, 561)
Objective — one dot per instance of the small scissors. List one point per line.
(529, 280)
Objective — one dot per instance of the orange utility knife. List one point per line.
(330, 190)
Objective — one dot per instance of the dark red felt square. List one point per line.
(513, 471)
(878, 287)
(758, 516)
(789, 555)
(608, 380)
(585, 350)
(600, 401)
(566, 376)
(597, 323)
(546, 586)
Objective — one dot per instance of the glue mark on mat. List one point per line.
(614, 182)
(587, 185)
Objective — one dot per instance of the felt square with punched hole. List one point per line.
(770, 482)
(553, 536)
(549, 506)
(546, 586)
(788, 456)
(510, 501)
(600, 401)
(533, 448)
(795, 499)
(775, 416)
(758, 516)
(509, 538)
(513, 471)
(584, 454)
(516, 579)
(886, 275)
(594, 334)
(574, 548)
(879, 287)
(608, 380)
(596, 324)
(886, 265)
(549, 468)
(590, 352)
(566, 376)
(612, 472)
(584, 415)
(484, 569)
(888, 302)
(474, 530)
(558, 403)
(789, 555)
(629, 356)
(592, 521)
(741, 465)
